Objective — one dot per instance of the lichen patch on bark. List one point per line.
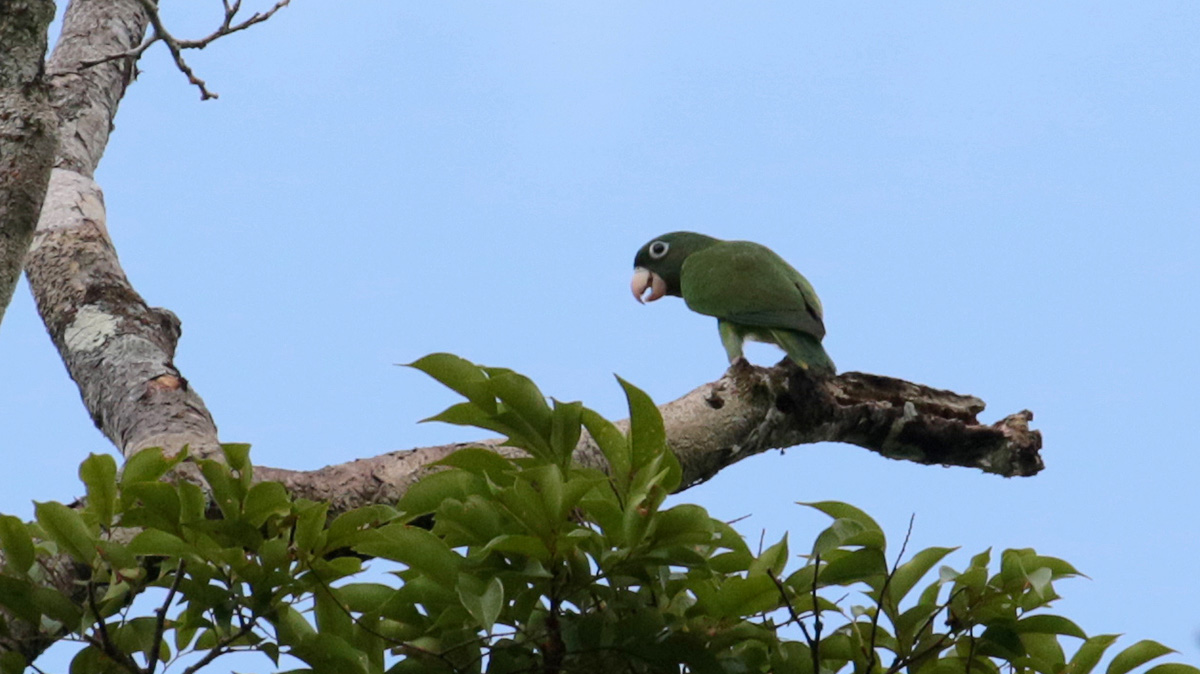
(90, 329)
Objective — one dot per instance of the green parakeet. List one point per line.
(752, 292)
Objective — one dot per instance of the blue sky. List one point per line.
(1000, 199)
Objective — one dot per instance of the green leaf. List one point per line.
(614, 445)
(687, 524)
(66, 528)
(459, 375)
(310, 523)
(155, 542)
(237, 455)
(18, 545)
(1089, 654)
(425, 495)
(772, 560)
(91, 660)
(160, 505)
(999, 639)
(331, 653)
(351, 526)
(910, 573)
(520, 544)
(331, 617)
(521, 396)
(99, 474)
(1045, 651)
(292, 626)
(137, 636)
(844, 511)
(1050, 624)
(226, 491)
(860, 566)
(851, 526)
(192, 502)
(482, 462)
(847, 532)
(547, 480)
(1136, 655)
(468, 414)
(1173, 668)
(528, 506)
(482, 600)
(417, 548)
(474, 521)
(647, 436)
(264, 500)
(146, 466)
(365, 597)
(12, 662)
(1039, 579)
(16, 595)
(56, 605)
(740, 597)
(580, 484)
(565, 428)
(1058, 567)
(116, 555)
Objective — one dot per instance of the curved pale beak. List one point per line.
(643, 280)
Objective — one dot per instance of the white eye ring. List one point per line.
(658, 249)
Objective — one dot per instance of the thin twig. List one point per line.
(971, 650)
(130, 54)
(105, 643)
(218, 650)
(816, 644)
(887, 581)
(176, 45)
(161, 623)
(739, 519)
(227, 27)
(787, 602)
(160, 31)
(408, 646)
(936, 646)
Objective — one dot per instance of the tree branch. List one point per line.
(28, 133)
(119, 350)
(176, 45)
(748, 411)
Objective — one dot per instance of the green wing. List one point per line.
(749, 284)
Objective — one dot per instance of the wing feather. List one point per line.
(749, 284)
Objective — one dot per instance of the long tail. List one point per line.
(806, 350)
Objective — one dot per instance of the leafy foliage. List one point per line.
(530, 564)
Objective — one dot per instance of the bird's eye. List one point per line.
(658, 249)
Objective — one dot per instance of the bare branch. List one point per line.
(161, 33)
(176, 45)
(228, 27)
(130, 55)
(748, 411)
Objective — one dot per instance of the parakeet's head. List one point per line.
(657, 266)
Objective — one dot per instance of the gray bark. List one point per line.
(118, 349)
(27, 132)
(748, 411)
